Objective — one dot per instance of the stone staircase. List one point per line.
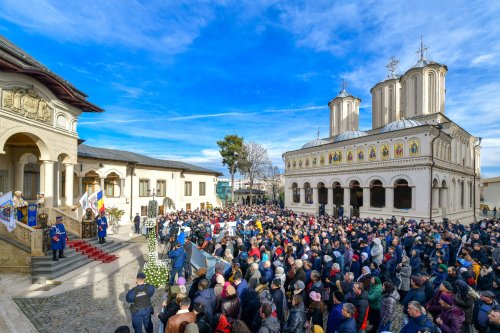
(78, 252)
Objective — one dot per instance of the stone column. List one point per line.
(315, 195)
(68, 173)
(42, 177)
(80, 186)
(330, 196)
(302, 195)
(19, 178)
(122, 188)
(49, 183)
(414, 198)
(366, 197)
(389, 197)
(102, 185)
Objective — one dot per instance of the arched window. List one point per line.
(338, 194)
(295, 193)
(377, 194)
(308, 191)
(322, 194)
(402, 194)
(462, 195)
(392, 112)
(381, 105)
(415, 95)
(431, 92)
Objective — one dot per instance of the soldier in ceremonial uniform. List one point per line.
(58, 239)
(102, 226)
(141, 309)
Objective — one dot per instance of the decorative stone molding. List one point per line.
(27, 103)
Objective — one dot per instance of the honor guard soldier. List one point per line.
(102, 226)
(141, 308)
(58, 239)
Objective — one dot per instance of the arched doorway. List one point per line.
(377, 194)
(295, 193)
(322, 194)
(356, 197)
(308, 191)
(338, 194)
(402, 194)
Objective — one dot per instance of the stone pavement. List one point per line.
(96, 308)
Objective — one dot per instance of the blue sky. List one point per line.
(176, 76)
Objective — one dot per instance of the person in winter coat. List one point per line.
(365, 278)
(267, 272)
(416, 294)
(335, 316)
(418, 320)
(340, 259)
(374, 300)
(178, 256)
(415, 262)
(428, 286)
(279, 300)
(355, 266)
(377, 251)
(404, 270)
(452, 317)
(170, 309)
(250, 307)
(485, 279)
(253, 280)
(390, 298)
(230, 305)
(481, 309)
(296, 317)
(270, 323)
(464, 299)
(200, 275)
(433, 305)
(348, 323)
(204, 326)
(360, 301)
(206, 296)
(316, 309)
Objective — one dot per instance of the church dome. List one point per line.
(314, 143)
(348, 135)
(400, 124)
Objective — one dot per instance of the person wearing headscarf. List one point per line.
(464, 299)
(377, 251)
(433, 306)
(365, 278)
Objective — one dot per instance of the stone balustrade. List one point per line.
(31, 237)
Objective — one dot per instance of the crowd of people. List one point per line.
(301, 273)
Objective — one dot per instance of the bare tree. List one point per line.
(273, 180)
(254, 163)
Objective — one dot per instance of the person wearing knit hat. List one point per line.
(451, 318)
(443, 267)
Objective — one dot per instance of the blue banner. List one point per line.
(32, 215)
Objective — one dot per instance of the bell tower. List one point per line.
(344, 112)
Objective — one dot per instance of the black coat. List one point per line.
(251, 307)
(168, 311)
(194, 287)
(231, 307)
(204, 326)
(296, 320)
(278, 300)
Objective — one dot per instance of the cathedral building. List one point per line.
(415, 162)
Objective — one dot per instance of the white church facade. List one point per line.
(41, 153)
(415, 162)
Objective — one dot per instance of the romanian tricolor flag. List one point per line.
(100, 201)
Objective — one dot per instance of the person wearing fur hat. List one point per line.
(58, 238)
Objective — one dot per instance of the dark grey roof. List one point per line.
(129, 157)
(247, 191)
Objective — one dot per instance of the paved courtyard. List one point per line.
(99, 308)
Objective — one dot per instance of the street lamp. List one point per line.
(478, 140)
(439, 127)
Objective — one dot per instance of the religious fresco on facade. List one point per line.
(384, 151)
(414, 147)
(300, 163)
(349, 156)
(398, 149)
(307, 162)
(322, 160)
(361, 155)
(335, 157)
(330, 158)
(372, 153)
(315, 161)
(294, 163)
